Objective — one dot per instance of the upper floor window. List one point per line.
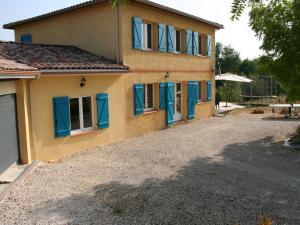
(26, 38)
(148, 97)
(200, 45)
(147, 40)
(81, 114)
(178, 41)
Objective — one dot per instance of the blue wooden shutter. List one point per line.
(163, 95)
(102, 108)
(61, 110)
(162, 38)
(171, 39)
(195, 43)
(192, 98)
(170, 103)
(189, 42)
(209, 45)
(138, 99)
(208, 90)
(136, 33)
(26, 38)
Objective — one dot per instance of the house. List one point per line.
(94, 74)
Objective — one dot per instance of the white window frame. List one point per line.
(145, 36)
(200, 90)
(146, 98)
(81, 122)
(175, 41)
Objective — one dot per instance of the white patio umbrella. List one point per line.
(232, 77)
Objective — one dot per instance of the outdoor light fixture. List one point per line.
(167, 75)
(82, 82)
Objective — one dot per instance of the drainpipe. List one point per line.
(118, 31)
(31, 116)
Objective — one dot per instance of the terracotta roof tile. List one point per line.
(18, 56)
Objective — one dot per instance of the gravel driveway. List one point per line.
(217, 171)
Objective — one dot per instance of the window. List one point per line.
(26, 38)
(178, 40)
(81, 114)
(148, 97)
(147, 36)
(200, 93)
(200, 44)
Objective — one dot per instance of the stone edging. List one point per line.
(20, 179)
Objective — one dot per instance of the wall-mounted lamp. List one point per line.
(82, 82)
(167, 75)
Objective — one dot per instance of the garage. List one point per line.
(9, 145)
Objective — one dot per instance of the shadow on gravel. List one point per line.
(271, 118)
(248, 178)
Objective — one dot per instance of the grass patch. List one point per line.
(119, 211)
(295, 139)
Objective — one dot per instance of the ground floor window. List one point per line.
(81, 113)
(200, 92)
(148, 97)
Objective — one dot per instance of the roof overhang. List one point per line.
(92, 2)
(80, 72)
(13, 74)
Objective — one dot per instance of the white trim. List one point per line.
(5, 77)
(81, 122)
(145, 36)
(146, 98)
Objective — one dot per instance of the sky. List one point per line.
(237, 34)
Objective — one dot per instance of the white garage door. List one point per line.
(9, 146)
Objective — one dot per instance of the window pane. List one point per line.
(87, 112)
(74, 111)
(200, 45)
(150, 95)
(200, 91)
(178, 40)
(149, 36)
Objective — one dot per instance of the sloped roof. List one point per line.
(12, 25)
(18, 56)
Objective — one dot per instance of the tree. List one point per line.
(227, 59)
(277, 24)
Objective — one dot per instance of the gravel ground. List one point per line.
(217, 171)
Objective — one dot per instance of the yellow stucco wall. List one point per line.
(7, 87)
(137, 125)
(43, 90)
(90, 28)
(41, 140)
(139, 59)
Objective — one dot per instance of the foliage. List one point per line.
(227, 59)
(117, 2)
(277, 24)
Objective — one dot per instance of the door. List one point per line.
(9, 146)
(178, 102)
